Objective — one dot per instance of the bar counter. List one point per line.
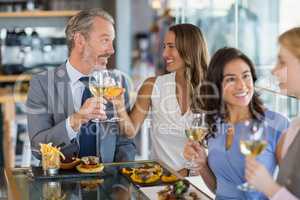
(21, 184)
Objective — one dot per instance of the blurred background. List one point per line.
(32, 38)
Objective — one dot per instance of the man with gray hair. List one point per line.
(60, 108)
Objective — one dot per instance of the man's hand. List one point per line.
(93, 108)
(258, 176)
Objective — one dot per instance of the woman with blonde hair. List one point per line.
(171, 97)
(287, 71)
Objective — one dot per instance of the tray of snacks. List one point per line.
(56, 166)
(84, 167)
(149, 174)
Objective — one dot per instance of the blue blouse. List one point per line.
(229, 165)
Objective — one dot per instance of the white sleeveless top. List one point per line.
(168, 125)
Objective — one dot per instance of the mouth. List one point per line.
(241, 94)
(102, 60)
(169, 61)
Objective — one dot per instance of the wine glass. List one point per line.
(252, 144)
(108, 84)
(196, 130)
(113, 88)
(96, 85)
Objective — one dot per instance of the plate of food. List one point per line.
(90, 164)
(179, 190)
(149, 174)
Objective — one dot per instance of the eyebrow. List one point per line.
(106, 35)
(245, 72)
(169, 43)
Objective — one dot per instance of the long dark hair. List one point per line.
(212, 90)
(192, 48)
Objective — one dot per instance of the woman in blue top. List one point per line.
(231, 102)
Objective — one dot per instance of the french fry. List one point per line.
(50, 156)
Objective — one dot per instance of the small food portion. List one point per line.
(168, 177)
(69, 163)
(50, 156)
(144, 177)
(149, 173)
(90, 164)
(127, 170)
(178, 190)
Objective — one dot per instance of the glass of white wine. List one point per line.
(96, 84)
(113, 88)
(252, 144)
(107, 84)
(196, 131)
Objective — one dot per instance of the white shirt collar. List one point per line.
(73, 73)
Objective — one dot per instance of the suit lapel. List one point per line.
(64, 90)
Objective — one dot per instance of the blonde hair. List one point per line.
(291, 40)
(82, 23)
(192, 48)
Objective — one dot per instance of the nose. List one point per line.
(275, 69)
(165, 53)
(111, 49)
(240, 84)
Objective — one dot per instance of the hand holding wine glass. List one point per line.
(195, 152)
(258, 176)
(252, 144)
(196, 132)
(96, 85)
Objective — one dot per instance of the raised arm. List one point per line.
(132, 121)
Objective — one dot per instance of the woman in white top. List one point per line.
(170, 97)
(287, 71)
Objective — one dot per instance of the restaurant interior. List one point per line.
(32, 39)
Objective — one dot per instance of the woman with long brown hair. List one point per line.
(171, 97)
(287, 71)
(233, 110)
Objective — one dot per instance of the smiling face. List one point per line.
(98, 46)
(287, 71)
(170, 54)
(237, 84)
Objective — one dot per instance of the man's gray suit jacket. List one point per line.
(50, 103)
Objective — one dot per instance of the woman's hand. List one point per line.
(258, 176)
(194, 151)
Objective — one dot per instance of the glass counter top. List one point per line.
(111, 185)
